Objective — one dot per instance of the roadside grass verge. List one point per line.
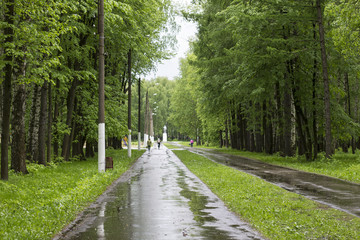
(170, 146)
(273, 211)
(40, 204)
(345, 166)
(187, 144)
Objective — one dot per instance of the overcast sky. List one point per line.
(170, 68)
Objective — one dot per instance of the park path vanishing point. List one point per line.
(158, 198)
(334, 192)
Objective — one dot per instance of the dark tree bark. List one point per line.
(77, 150)
(328, 137)
(280, 145)
(315, 134)
(1, 103)
(240, 134)
(42, 125)
(246, 136)
(5, 133)
(267, 130)
(56, 115)
(70, 109)
(233, 129)
(89, 152)
(49, 130)
(314, 80)
(226, 134)
(221, 138)
(348, 106)
(252, 141)
(288, 150)
(18, 153)
(32, 145)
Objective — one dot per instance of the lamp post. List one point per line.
(101, 130)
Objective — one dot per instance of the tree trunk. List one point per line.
(240, 134)
(56, 115)
(287, 116)
(221, 138)
(252, 141)
(32, 145)
(233, 129)
(70, 109)
(328, 137)
(89, 152)
(49, 130)
(280, 146)
(259, 136)
(42, 125)
(267, 130)
(5, 133)
(226, 134)
(18, 149)
(316, 144)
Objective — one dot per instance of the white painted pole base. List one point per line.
(139, 140)
(101, 148)
(146, 137)
(129, 143)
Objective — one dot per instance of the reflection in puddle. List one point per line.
(160, 199)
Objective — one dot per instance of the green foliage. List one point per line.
(40, 204)
(184, 99)
(275, 212)
(160, 92)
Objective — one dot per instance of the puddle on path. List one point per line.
(159, 199)
(333, 192)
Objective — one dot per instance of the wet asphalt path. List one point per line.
(330, 191)
(158, 198)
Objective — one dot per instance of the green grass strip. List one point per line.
(40, 204)
(273, 211)
(345, 166)
(170, 146)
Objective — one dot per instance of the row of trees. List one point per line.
(49, 65)
(274, 76)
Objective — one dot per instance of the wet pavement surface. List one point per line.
(158, 198)
(330, 191)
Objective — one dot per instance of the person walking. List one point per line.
(148, 144)
(158, 142)
(191, 143)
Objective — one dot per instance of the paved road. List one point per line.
(158, 198)
(331, 191)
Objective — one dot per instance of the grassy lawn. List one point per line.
(170, 146)
(40, 204)
(345, 166)
(273, 211)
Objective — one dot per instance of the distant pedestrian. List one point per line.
(148, 144)
(191, 143)
(158, 142)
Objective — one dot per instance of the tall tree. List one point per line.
(328, 137)
(5, 133)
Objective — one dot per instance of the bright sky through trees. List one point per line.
(170, 68)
